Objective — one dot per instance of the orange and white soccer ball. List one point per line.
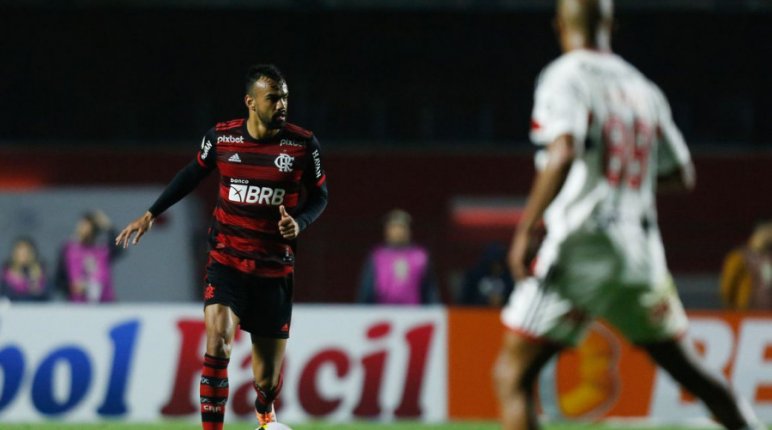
(274, 426)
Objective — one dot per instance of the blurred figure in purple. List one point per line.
(84, 271)
(24, 277)
(398, 272)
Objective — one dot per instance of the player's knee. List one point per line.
(509, 375)
(502, 377)
(517, 367)
(219, 347)
(219, 341)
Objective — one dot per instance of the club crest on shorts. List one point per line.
(284, 162)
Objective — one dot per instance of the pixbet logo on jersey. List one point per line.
(242, 192)
(230, 139)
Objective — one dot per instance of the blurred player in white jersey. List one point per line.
(608, 144)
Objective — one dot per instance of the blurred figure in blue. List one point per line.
(489, 282)
(398, 272)
(24, 277)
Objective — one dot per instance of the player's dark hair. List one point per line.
(254, 73)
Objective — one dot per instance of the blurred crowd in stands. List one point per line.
(82, 273)
(397, 271)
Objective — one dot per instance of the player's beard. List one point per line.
(274, 122)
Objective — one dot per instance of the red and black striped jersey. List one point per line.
(256, 177)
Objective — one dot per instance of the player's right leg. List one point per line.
(515, 373)
(729, 410)
(540, 321)
(221, 323)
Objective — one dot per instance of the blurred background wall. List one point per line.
(421, 105)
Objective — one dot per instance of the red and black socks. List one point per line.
(214, 392)
(265, 398)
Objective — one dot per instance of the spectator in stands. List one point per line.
(398, 272)
(24, 277)
(746, 279)
(489, 282)
(84, 264)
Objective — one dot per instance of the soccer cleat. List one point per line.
(265, 418)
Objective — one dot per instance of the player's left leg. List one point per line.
(652, 316)
(729, 410)
(269, 324)
(267, 358)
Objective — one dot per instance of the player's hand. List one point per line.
(138, 227)
(288, 227)
(518, 255)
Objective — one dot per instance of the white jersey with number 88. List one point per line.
(623, 134)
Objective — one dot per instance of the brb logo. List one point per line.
(242, 192)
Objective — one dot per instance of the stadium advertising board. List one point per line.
(142, 363)
(607, 377)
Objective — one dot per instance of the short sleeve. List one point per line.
(207, 156)
(672, 152)
(560, 106)
(314, 175)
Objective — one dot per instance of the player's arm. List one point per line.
(675, 170)
(315, 183)
(559, 125)
(549, 180)
(683, 179)
(186, 180)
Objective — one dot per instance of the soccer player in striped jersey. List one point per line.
(609, 142)
(263, 162)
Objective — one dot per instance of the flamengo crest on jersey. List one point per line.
(284, 162)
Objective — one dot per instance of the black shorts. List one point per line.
(263, 305)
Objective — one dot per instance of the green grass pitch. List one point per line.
(330, 426)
